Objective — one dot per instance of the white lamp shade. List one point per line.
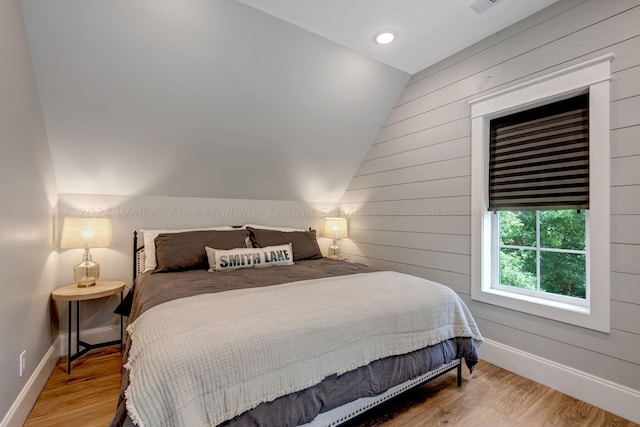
(85, 233)
(335, 228)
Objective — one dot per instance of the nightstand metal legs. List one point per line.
(121, 328)
(86, 347)
(69, 342)
(77, 327)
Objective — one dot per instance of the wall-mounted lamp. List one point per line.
(86, 233)
(335, 228)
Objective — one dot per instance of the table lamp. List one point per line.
(335, 228)
(86, 233)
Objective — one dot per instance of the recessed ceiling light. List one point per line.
(385, 37)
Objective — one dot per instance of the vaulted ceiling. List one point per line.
(216, 98)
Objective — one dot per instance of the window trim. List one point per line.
(593, 75)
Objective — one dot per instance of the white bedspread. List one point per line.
(205, 359)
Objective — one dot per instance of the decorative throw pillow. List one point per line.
(185, 251)
(234, 259)
(304, 243)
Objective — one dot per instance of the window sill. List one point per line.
(560, 311)
(577, 308)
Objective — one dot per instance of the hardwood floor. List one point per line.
(490, 396)
(86, 398)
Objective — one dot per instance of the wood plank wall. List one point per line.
(409, 202)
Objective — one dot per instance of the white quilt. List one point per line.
(202, 360)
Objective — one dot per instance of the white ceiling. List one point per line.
(428, 30)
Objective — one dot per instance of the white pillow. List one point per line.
(234, 259)
(149, 237)
(267, 227)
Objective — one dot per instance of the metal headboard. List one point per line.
(138, 256)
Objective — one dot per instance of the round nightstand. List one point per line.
(70, 293)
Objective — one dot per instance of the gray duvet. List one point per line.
(301, 407)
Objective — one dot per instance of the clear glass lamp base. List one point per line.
(334, 251)
(87, 272)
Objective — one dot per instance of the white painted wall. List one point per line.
(29, 198)
(201, 98)
(130, 213)
(410, 199)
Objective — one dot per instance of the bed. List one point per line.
(216, 338)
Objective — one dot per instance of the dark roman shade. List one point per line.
(539, 158)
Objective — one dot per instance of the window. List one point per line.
(542, 252)
(540, 196)
(539, 186)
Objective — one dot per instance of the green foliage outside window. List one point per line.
(561, 273)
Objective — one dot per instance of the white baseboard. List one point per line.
(91, 336)
(21, 407)
(615, 398)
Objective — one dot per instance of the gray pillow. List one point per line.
(185, 251)
(305, 244)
